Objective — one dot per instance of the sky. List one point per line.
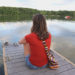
(41, 4)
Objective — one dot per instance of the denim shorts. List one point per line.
(33, 66)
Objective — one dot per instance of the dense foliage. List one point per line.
(15, 14)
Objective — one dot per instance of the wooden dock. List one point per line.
(14, 63)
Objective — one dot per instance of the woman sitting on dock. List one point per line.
(34, 51)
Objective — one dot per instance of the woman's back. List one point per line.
(34, 52)
(38, 56)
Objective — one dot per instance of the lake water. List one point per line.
(63, 34)
(1, 61)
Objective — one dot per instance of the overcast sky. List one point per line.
(41, 4)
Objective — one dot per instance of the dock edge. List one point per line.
(63, 57)
(4, 61)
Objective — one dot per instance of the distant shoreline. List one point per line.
(19, 14)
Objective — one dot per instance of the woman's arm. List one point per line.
(22, 41)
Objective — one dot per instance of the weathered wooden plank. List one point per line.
(68, 72)
(17, 69)
(19, 64)
(15, 61)
(23, 68)
(15, 52)
(14, 49)
(17, 48)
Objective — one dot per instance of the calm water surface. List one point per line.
(63, 34)
(13, 31)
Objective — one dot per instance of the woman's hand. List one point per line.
(22, 41)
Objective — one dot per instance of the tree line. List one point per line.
(17, 14)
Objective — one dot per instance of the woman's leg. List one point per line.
(26, 49)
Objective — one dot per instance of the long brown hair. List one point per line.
(40, 27)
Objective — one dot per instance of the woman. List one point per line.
(35, 56)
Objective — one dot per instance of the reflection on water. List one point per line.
(13, 31)
(63, 34)
(1, 61)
